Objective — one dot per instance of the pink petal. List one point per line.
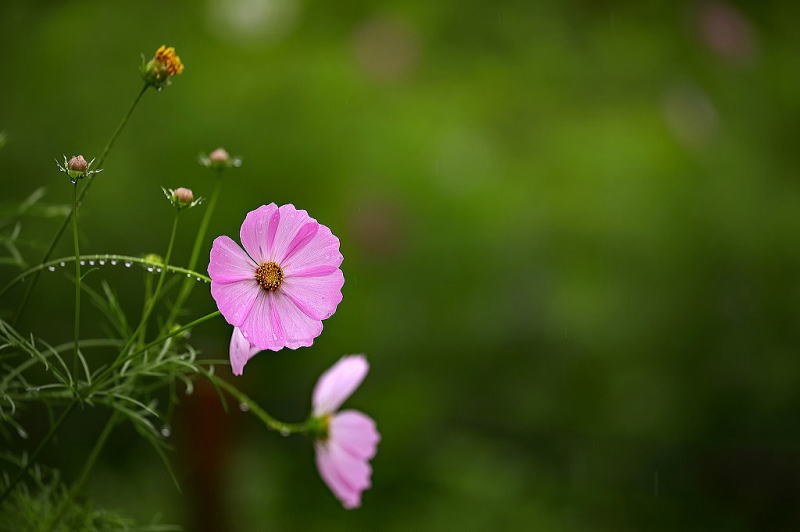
(258, 232)
(338, 383)
(235, 300)
(299, 329)
(293, 223)
(320, 253)
(262, 327)
(349, 497)
(241, 351)
(316, 296)
(355, 433)
(229, 263)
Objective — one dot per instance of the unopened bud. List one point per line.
(77, 166)
(184, 196)
(219, 156)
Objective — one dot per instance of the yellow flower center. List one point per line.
(269, 276)
(171, 62)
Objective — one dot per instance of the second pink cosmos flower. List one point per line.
(284, 283)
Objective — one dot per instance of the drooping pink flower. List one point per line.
(241, 351)
(284, 283)
(349, 438)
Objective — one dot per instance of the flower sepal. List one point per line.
(77, 168)
(182, 198)
(219, 159)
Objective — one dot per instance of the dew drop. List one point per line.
(197, 279)
(91, 263)
(83, 263)
(284, 432)
(149, 268)
(102, 263)
(22, 433)
(188, 275)
(113, 263)
(62, 264)
(158, 270)
(127, 264)
(166, 431)
(244, 407)
(51, 268)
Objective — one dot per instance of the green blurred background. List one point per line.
(570, 232)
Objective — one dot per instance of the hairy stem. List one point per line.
(76, 244)
(186, 287)
(52, 432)
(89, 180)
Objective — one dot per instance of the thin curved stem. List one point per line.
(122, 359)
(269, 421)
(108, 257)
(150, 305)
(186, 287)
(89, 180)
(76, 243)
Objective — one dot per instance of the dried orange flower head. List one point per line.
(164, 65)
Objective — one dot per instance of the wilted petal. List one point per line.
(338, 383)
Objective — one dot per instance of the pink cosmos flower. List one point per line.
(241, 351)
(284, 283)
(349, 438)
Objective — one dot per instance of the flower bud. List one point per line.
(184, 196)
(219, 159)
(77, 166)
(219, 156)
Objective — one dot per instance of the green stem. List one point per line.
(122, 359)
(149, 305)
(148, 294)
(75, 240)
(186, 287)
(29, 289)
(104, 257)
(52, 432)
(269, 421)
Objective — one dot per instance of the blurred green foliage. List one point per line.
(570, 239)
